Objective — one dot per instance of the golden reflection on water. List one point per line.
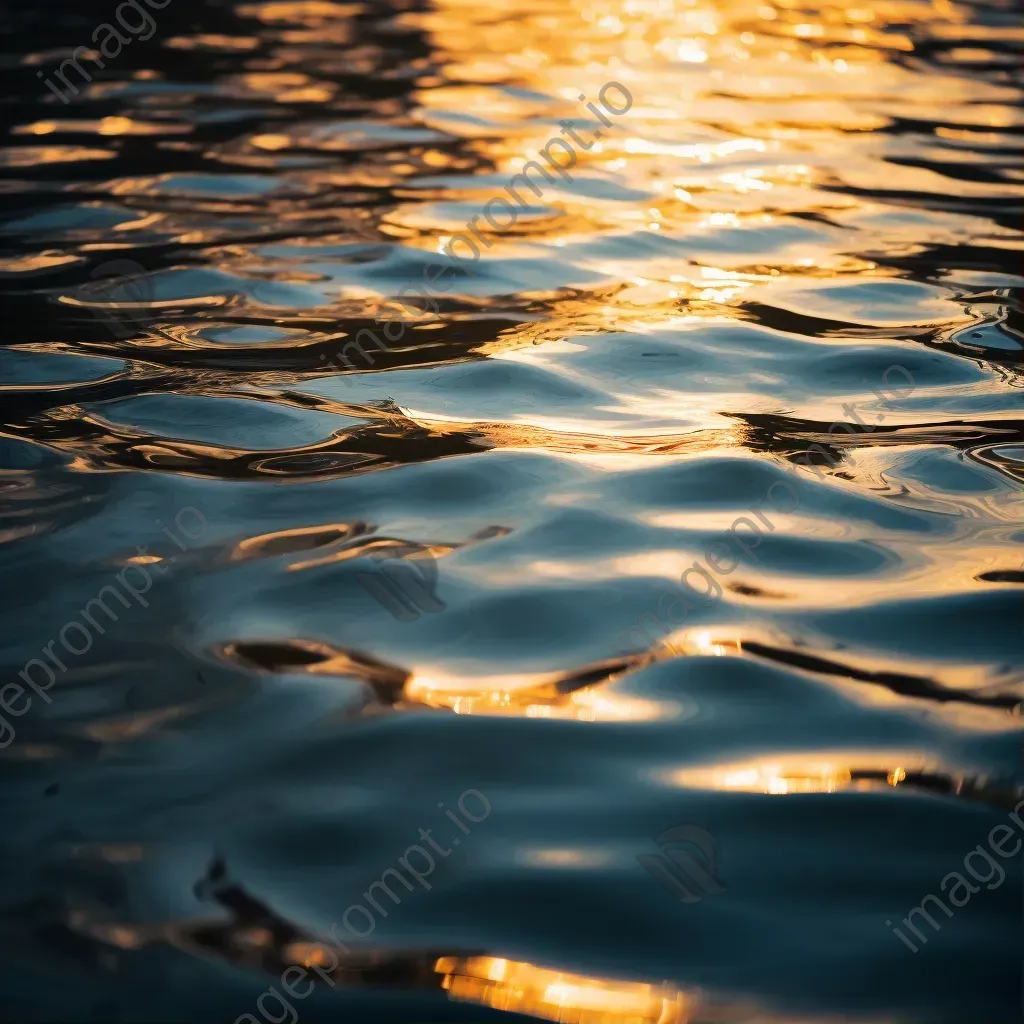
(839, 770)
(103, 126)
(788, 775)
(733, 100)
(38, 156)
(519, 987)
(749, 119)
(530, 698)
(560, 996)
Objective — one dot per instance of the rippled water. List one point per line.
(696, 500)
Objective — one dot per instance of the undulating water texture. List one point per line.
(512, 511)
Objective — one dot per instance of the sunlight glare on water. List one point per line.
(606, 412)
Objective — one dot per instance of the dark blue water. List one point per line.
(603, 607)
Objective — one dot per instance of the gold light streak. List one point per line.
(559, 995)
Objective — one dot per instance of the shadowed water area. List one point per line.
(687, 494)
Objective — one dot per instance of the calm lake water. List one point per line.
(595, 593)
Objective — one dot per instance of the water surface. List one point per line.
(696, 500)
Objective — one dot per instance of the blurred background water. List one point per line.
(800, 198)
